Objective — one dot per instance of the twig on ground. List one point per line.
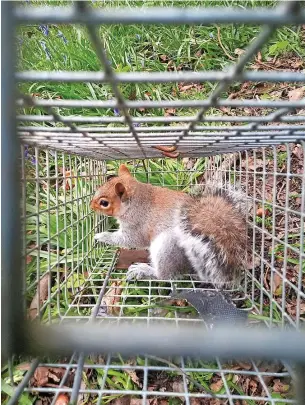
(222, 47)
(266, 65)
(40, 296)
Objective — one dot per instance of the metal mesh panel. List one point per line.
(85, 285)
(133, 137)
(63, 160)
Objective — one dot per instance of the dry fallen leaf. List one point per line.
(178, 386)
(171, 66)
(298, 151)
(216, 386)
(260, 212)
(296, 94)
(239, 51)
(279, 386)
(302, 308)
(68, 182)
(172, 155)
(188, 163)
(135, 401)
(297, 63)
(132, 374)
(180, 303)
(164, 58)
(244, 365)
(216, 401)
(195, 401)
(41, 376)
(225, 110)
(291, 309)
(62, 399)
(277, 284)
(165, 148)
(112, 297)
(47, 376)
(185, 88)
(125, 400)
(170, 111)
(39, 299)
(253, 386)
(160, 402)
(132, 95)
(53, 376)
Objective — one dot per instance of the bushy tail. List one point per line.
(234, 194)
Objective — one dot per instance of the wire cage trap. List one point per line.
(66, 278)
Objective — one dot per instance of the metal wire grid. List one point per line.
(88, 283)
(155, 367)
(272, 185)
(133, 137)
(56, 192)
(110, 145)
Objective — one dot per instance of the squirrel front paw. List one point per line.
(104, 237)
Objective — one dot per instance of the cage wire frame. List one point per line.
(94, 145)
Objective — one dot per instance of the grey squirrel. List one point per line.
(203, 232)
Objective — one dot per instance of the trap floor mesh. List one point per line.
(81, 273)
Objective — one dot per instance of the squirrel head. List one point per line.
(112, 197)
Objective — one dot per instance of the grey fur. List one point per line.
(135, 221)
(206, 259)
(174, 251)
(140, 271)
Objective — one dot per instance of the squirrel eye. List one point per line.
(104, 203)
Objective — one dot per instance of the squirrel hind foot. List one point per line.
(140, 271)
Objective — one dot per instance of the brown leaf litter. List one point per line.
(133, 376)
(40, 296)
(112, 298)
(262, 90)
(168, 151)
(285, 62)
(189, 87)
(49, 377)
(169, 112)
(279, 386)
(296, 94)
(62, 399)
(217, 385)
(273, 189)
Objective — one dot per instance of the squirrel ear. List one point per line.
(123, 170)
(121, 191)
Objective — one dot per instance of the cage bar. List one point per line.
(90, 312)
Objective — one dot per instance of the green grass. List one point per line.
(129, 48)
(140, 48)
